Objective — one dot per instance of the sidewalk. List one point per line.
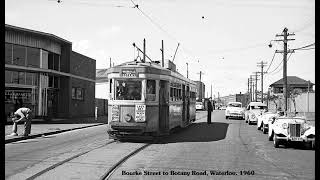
(40, 127)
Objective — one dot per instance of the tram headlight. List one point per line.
(284, 125)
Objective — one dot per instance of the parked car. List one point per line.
(223, 108)
(234, 109)
(253, 110)
(283, 130)
(199, 106)
(264, 119)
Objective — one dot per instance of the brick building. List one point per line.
(43, 73)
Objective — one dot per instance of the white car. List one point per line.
(283, 130)
(234, 109)
(264, 119)
(253, 110)
(199, 106)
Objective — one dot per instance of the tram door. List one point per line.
(188, 103)
(184, 103)
(164, 107)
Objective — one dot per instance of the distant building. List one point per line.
(224, 100)
(43, 73)
(293, 82)
(200, 90)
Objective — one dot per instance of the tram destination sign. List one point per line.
(128, 73)
(140, 113)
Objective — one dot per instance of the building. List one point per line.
(293, 82)
(200, 90)
(43, 73)
(224, 100)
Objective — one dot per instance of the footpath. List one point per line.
(41, 127)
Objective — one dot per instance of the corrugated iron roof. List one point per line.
(48, 35)
(292, 80)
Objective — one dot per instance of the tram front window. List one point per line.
(128, 90)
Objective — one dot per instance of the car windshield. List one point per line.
(198, 103)
(234, 105)
(258, 107)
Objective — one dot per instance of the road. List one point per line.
(224, 149)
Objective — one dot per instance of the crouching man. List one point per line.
(22, 114)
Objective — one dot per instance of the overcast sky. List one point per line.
(225, 39)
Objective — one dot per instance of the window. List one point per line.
(77, 93)
(22, 78)
(234, 105)
(151, 90)
(128, 89)
(73, 93)
(33, 57)
(80, 93)
(8, 75)
(19, 55)
(8, 54)
(50, 61)
(56, 62)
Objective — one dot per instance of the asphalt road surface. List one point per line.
(225, 149)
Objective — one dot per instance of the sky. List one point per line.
(224, 39)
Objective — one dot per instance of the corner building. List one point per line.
(43, 73)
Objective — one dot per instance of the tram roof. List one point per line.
(144, 67)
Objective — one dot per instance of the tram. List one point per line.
(148, 100)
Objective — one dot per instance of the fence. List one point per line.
(305, 104)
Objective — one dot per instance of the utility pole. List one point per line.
(187, 71)
(285, 52)
(211, 92)
(248, 90)
(251, 97)
(256, 85)
(144, 50)
(262, 64)
(110, 61)
(162, 51)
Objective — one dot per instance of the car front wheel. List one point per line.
(276, 141)
(264, 129)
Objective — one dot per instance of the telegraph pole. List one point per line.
(256, 90)
(211, 92)
(262, 64)
(187, 71)
(251, 90)
(162, 51)
(144, 50)
(248, 89)
(285, 52)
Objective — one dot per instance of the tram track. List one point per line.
(111, 170)
(66, 160)
(105, 175)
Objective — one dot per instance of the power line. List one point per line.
(271, 60)
(281, 63)
(305, 46)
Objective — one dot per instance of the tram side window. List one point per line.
(128, 90)
(151, 90)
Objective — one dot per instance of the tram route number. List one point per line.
(140, 113)
(128, 73)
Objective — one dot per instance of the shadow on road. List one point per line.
(199, 132)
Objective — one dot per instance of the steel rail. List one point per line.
(66, 160)
(111, 170)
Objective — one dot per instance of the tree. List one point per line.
(274, 99)
(293, 93)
